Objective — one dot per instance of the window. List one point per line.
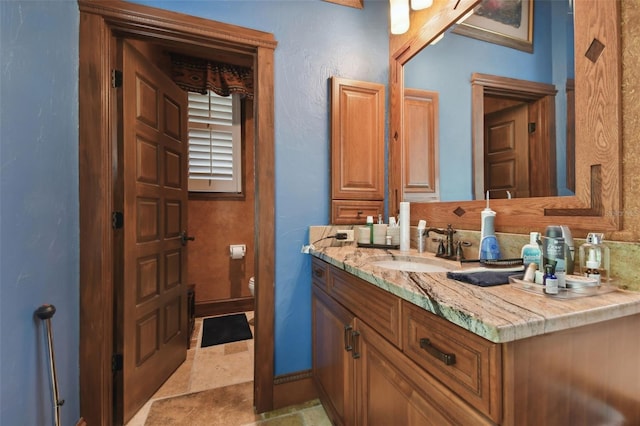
(214, 143)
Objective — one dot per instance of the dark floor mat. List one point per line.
(225, 329)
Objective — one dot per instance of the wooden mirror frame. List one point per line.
(597, 203)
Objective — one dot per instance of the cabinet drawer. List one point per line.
(319, 273)
(398, 393)
(468, 364)
(349, 212)
(379, 309)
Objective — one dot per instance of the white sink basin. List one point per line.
(416, 264)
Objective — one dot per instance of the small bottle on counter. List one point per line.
(530, 273)
(550, 280)
(370, 225)
(531, 252)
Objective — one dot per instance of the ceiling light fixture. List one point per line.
(421, 4)
(399, 16)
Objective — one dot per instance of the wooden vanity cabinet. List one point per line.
(360, 371)
(357, 150)
(372, 365)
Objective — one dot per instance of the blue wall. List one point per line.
(39, 173)
(38, 207)
(457, 57)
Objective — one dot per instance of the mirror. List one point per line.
(596, 203)
(449, 68)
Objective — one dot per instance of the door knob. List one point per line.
(184, 238)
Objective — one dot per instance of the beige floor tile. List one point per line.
(294, 419)
(214, 386)
(230, 405)
(315, 416)
(215, 369)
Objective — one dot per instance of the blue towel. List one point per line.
(483, 278)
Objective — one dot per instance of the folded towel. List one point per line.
(483, 278)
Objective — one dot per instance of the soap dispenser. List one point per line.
(594, 258)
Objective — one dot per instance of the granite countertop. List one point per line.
(500, 313)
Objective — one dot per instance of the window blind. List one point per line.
(214, 143)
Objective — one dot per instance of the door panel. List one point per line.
(154, 305)
(507, 152)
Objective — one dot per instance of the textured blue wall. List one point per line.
(316, 40)
(39, 173)
(38, 207)
(446, 67)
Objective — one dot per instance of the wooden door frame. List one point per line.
(100, 24)
(541, 94)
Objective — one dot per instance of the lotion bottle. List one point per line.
(531, 252)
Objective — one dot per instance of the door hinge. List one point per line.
(116, 362)
(116, 78)
(532, 127)
(117, 220)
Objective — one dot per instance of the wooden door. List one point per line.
(151, 319)
(506, 152)
(332, 363)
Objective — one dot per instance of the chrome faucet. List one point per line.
(449, 251)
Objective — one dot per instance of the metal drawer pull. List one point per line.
(347, 340)
(448, 359)
(356, 353)
(318, 272)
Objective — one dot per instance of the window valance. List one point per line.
(199, 75)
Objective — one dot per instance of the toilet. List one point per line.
(252, 286)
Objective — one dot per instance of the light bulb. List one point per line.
(421, 4)
(399, 16)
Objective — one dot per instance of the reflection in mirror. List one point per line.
(447, 68)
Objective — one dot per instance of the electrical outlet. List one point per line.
(350, 235)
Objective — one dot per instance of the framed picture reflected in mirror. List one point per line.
(505, 22)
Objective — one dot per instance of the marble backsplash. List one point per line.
(625, 270)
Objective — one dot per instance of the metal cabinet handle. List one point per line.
(448, 359)
(347, 338)
(318, 272)
(356, 351)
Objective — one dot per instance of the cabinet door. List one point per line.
(357, 140)
(332, 357)
(420, 146)
(391, 390)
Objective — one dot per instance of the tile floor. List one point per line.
(214, 386)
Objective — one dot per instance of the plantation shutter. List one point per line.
(214, 143)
